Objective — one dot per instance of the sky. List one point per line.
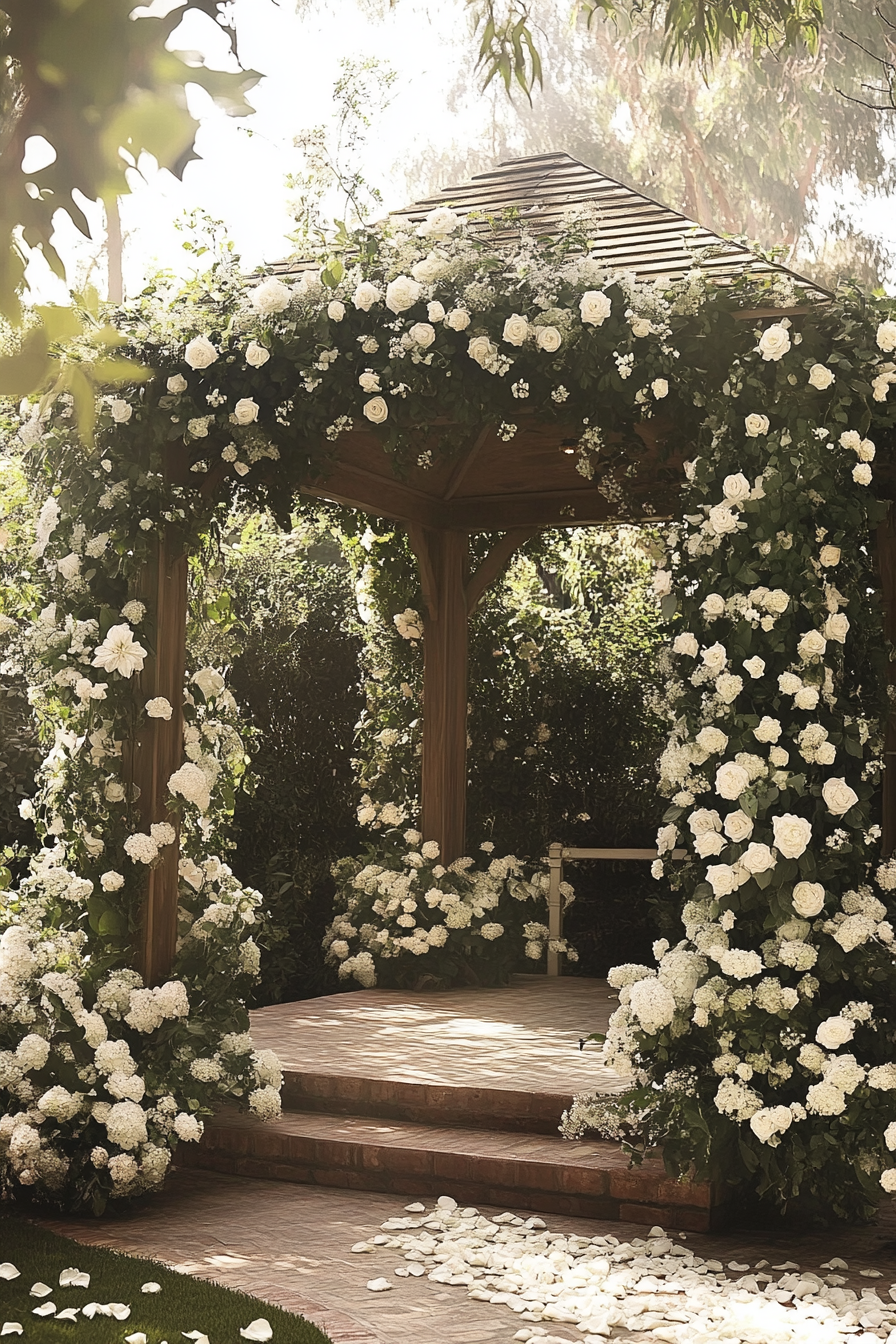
(240, 175)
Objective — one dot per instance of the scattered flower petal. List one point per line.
(151, 1287)
(67, 1314)
(259, 1329)
(48, 1309)
(378, 1285)
(74, 1278)
(11, 1328)
(9, 1271)
(40, 1289)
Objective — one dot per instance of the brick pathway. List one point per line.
(291, 1245)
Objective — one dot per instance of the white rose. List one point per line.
(369, 382)
(516, 329)
(829, 555)
(755, 667)
(755, 425)
(595, 307)
(836, 627)
(69, 566)
(712, 740)
(335, 310)
(256, 354)
(686, 645)
(834, 1032)
(245, 412)
(666, 837)
(548, 339)
(850, 439)
(121, 411)
(808, 899)
(366, 295)
(200, 353)
(792, 835)
(806, 698)
(721, 520)
(812, 645)
(662, 583)
(715, 658)
(820, 376)
(435, 311)
(776, 601)
(458, 319)
(271, 296)
(736, 488)
(641, 326)
(731, 780)
(738, 827)
(774, 342)
(660, 388)
(838, 796)
(376, 410)
(713, 605)
(886, 336)
(728, 687)
(721, 877)
(767, 729)
(429, 269)
(758, 858)
(422, 334)
(439, 223)
(861, 473)
(708, 844)
(482, 351)
(402, 293)
(177, 383)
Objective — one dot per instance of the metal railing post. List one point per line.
(555, 904)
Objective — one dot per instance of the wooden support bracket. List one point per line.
(494, 564)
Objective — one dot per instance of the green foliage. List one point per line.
(184, 1301)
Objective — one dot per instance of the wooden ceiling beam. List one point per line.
(380, 495)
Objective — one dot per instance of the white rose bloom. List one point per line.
(836, 627)
(402, 293)
(271, 296)
(69, 566)
(548, 339)
(256, 354)
(429, 269)
(111, 881)
(812, 645)
(888, 1177)
(838, 796)
(366, 295)
(767, 730)
(209, 681)
(369, 382)
(482, 351)
(595, 308)
(834, 1032)
(685, 644)
(516, 329)
(731, 781)
(792, 835)
(245, 412)
(886, 336)
(729, 687)
(458, 319)
(666, 837)
(722, 520)
(120, 652)
(713, 605)
(736, 488)
(662, 583)
(774, 342)
(755, 425)
(709, 844)
(776, 601)
(808, 899)
(335, 310)
(758, 858)
(200, 353)
(712, 740)
(807, 698)
(738, 827)
(439, 223)
(861, 474)
(704, 819)
(121, 411)
(435, 311)
(376, 410)
(660, 388)
(641, 326)
(422, 334)
(715, 658)
(820, 376)
(829, 555)
(159, 708)
(755, 667)
(176, 383)
(771, 1120)
(890, 1136)
(722, 878)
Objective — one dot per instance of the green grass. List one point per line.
(183, 1304)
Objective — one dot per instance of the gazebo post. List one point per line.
(886, 561)
(443, 557)
(157, 748)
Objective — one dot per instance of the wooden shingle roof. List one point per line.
(636, 233)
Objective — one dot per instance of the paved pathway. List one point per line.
(291, 1245)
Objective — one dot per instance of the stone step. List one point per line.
(535, 1173)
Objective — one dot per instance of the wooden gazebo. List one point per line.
(489, 485)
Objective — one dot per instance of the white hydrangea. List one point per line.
(265, 1103)
(126, 1125)
(653, 1004)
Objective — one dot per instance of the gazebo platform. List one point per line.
(452, 1093)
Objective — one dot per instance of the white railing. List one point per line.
(557, 855)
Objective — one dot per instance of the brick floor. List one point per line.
(291, 1245)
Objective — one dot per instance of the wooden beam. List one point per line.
(428, 584)
(494, 564)
(886, 562)
(380, 495)
(157, 748)
(467, 461)
(562, 508)
(443, 791)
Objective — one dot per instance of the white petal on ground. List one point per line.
(259, 1329)
(10, 1328)
(196, 1335)
(378, 1285)
(9, 1271)
(415, 1208)
(138, 1338)
(67, 1314)
(360, 1247)
(48, 1309)
(40, 1289)
(119, 1311)
(74, 1278)
(151, 1287)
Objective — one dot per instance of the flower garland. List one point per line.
(251, 391)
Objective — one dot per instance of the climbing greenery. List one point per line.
(419, 335)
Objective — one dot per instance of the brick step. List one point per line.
(472, 1107)
(530, 1172)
